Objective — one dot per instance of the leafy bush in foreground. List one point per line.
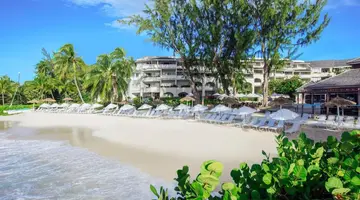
(303, 170)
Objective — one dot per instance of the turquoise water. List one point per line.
(32, 169)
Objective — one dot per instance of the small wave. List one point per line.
(56, 170)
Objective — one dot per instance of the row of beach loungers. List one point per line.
(243, 121)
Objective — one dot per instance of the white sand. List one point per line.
(160, 147)
(172, 137)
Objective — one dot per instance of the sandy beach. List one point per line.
(155, 146)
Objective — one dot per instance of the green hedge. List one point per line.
(14, 107)
(303, 170)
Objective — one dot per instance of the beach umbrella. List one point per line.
(157, 102)
(199, 108)
(48, 100)
(230, 101)
(94, 106)
(182, 107)
(187, 98)
(33, 102)
(245, 110)
(216, 95)
(123, 102)
(220, 108)
(67, 99)
(339, 102)
(284, 114)
(145, 107)
(163, 107)
(127, 107)
(280, 102)
(222, 96)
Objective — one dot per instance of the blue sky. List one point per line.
(29, 25)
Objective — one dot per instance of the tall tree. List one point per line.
(110, 76)
(6, 87)
(69, 64)
(227, 38)
(172, 24)
(282, 26)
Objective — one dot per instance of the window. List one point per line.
(168, 94)
(257, 80)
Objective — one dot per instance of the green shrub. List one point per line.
(303, 170)
(14, 107)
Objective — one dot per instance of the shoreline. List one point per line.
(155, 146)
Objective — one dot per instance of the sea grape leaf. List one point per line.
(215, 168)
(265, 167)
(228, 186)
(291, 169)
(341, 191)
(313, 169)
(355, 180)
(333, 183)
(300, 172)
(267, 178)
(332, 160)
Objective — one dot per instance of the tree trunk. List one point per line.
(115, 89)
(195, 92)
(3, 98)
(78, 89)
(265, 85)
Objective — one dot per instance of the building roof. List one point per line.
(157, 58)
(349, 78)
(300, 89)
(354, 61)
(329, 63)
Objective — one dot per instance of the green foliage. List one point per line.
(304, 169)
(284, 26)
(7, 87)
(14, 107)
(109, 77)
(287, 86)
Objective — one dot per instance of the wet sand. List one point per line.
(157, 147)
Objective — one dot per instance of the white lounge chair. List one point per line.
(294, 128)
(229, 120)
(260, 124)
(279, 126)
(253, 122)
(270, 124)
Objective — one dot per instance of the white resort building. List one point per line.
(160, 77)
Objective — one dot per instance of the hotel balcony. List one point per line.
(151, 90)
(155, 67)
(151, 79)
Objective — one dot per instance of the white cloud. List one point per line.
(115, 8)
(333, 4)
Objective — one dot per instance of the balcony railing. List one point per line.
(151, 89)
(149, 79)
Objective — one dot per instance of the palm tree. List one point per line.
(67, 64)
(44, 85)
(6, 87)
(111, 72)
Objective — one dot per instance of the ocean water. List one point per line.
(34, 169)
